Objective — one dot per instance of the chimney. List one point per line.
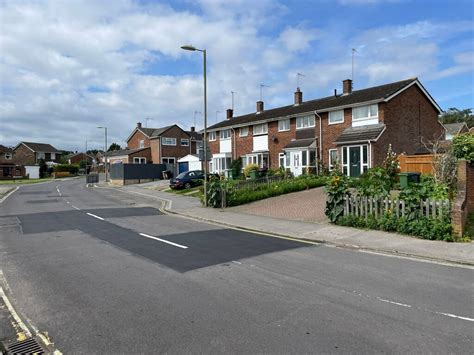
(298, 96)
(139, 125)
(193, 129)
(346, 87)
(259, 106)
(229, 113)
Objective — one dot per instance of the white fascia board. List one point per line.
(417, 83)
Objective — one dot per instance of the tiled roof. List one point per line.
(4, 149)
(41, 147)
(155, 132)
(302, 143)
(195, 136)
(357, 96)
(360, 134)
(454, 128)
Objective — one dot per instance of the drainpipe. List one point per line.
(320, 136)
(369, 155)
(235, 141)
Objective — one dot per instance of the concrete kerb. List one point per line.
(166, 208)
(8, 194)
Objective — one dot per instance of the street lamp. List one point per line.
(192, 48)
(105, 152)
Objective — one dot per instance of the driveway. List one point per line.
(307, 206)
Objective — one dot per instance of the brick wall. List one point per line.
(177, 151)
(146, 153)
(408, 117)
(155, 150)
(24, 156)
(134, 142)
(331, 132)
(464, 202)
(244, 145)
(282, 139)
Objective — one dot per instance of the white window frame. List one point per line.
(286, 124)
(141, 144)
(211, 136)
(185, 141)
(41, 156)
(370, 116)
(362, 165)
(281, 156)
(244, 131)
(165, 142)
(139, 160)
(300, 122)
(264, 129)
(330, 163)
(225, 134)
(168, 160)
(333, 113)
(8, 156)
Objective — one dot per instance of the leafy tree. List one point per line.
(114, 146)
(453, 115)
(92, 152)
(43, 170)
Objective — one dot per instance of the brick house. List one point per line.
(28, 153)
(165, 144)
(353, 129)
(130, 156)
(453, 129)
(8, 169)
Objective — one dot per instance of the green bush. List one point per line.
(337, 188)
(463, 146)
(375, 182)
(69, 168)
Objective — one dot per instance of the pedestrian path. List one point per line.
(379, 241)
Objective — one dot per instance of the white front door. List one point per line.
(295, 163)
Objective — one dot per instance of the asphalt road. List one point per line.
(105, 272)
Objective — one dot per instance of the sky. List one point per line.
(68, 66)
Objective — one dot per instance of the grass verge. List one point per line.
(23, 181)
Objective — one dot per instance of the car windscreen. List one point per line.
(182, 175)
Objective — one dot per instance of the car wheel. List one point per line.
(187, 186)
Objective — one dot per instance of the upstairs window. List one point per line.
(212, 136)
(260, 129)
(8, 156)
(142, 143)
(225, 134)
(365, 112)
(184, 142)
(336, 117)
(41, 156)
(168, 141)
(305, 122)
(283, 125)
(243, 132)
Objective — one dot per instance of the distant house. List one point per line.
(129, 156)
(166, 144)
(28, 153)
(81, 157)
(453, 129)
(8, 169)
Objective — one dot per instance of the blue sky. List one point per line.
(69, 66)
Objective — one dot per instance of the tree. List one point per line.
(92, 152)
(453, 115)
(114, 146)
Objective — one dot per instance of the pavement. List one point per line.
(104, 270)
(291, 220)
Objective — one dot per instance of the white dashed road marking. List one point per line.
(93, 215)
(76, 208)
(164, 241)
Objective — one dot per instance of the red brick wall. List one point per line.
(146, 153)
(134, 142)
(470, 189)
(177, 151)
(155, 150)
(331, 132)
(24, 156)
(244, 145)
(282, 140)
(408, 117)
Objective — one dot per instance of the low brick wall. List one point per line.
(464, 202)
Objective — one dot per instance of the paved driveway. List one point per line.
(305, 206)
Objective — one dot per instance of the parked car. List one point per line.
(189, 179)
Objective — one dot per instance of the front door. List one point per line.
(354, 161)
(295, 163)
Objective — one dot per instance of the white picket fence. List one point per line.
(365, 206)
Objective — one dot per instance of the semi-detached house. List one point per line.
(353, 129)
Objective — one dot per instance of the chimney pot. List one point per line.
(335, 92)
(229, 113)
(193, 129)
(259, 106)
(139, 125)
(298, 96)
(347, 86)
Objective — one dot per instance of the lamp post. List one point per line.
(192, 48)
(105, 152)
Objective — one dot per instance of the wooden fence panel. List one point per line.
(416, 163)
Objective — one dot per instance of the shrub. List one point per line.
(374, 182)
(249, 168)
(390, 164)
(69, 168)
(336, 189)
(463, 146)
